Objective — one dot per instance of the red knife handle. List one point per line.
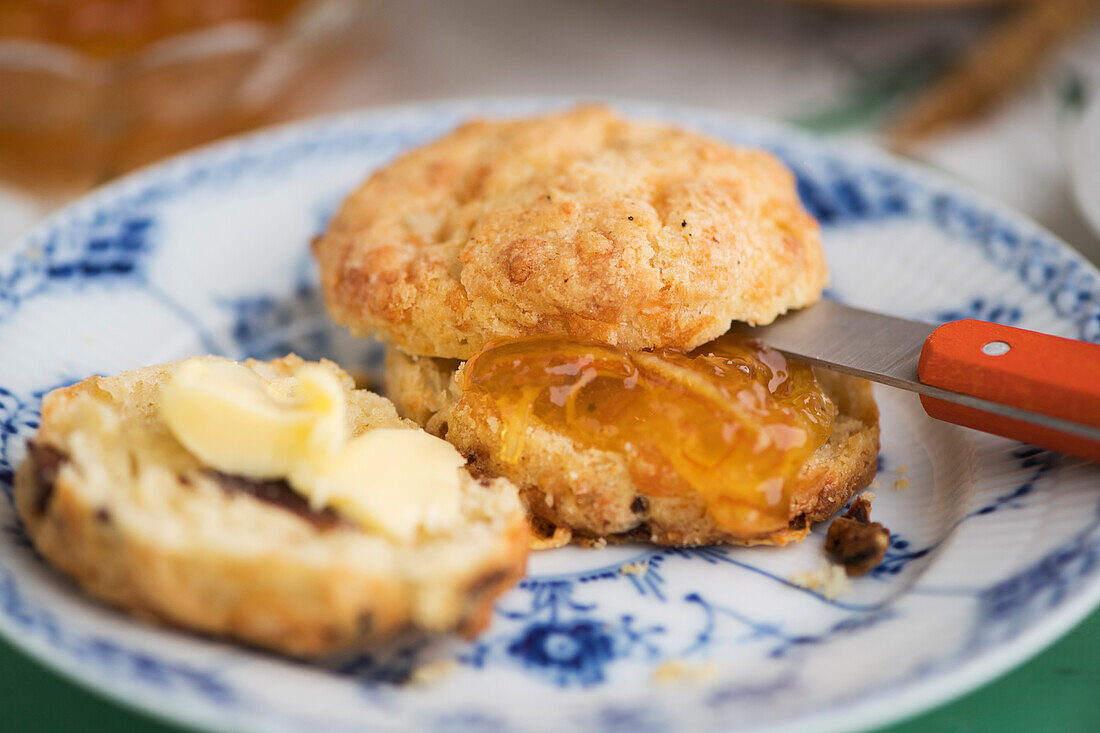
(1050, 375)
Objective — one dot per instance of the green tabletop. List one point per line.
(1059, 690)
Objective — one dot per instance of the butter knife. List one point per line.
(1012, 382)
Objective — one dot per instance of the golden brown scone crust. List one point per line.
(577, 223)
(167, 543)
(591, 492)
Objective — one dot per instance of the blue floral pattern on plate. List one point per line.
(210, 253)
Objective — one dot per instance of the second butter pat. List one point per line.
(394, 481)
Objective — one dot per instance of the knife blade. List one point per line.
(888, 350)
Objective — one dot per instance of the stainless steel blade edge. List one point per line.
(883, 349)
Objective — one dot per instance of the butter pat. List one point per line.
(393, 481)
(228, 416)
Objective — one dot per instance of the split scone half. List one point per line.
(592, 493)
(308, 535)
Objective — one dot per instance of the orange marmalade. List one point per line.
(733, 420)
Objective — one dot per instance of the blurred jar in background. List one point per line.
(93, 88)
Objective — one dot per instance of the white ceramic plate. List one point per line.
(995, 548)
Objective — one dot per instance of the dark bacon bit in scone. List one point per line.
(279, 493)
(855, 541)
(47, 464)
(545, 535)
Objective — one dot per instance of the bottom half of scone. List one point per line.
(109, 498)
(591, 493)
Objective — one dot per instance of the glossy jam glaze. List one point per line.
(733, 420)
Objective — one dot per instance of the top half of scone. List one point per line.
(578, 224)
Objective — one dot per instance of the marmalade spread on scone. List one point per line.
(733, 420)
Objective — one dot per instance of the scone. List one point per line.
(596, 264)
(579, 224)
(110, 495)
(594, 494)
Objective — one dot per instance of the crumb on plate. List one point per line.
(677, 670)
(432, 672)
(830, 580)
(854, 541)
